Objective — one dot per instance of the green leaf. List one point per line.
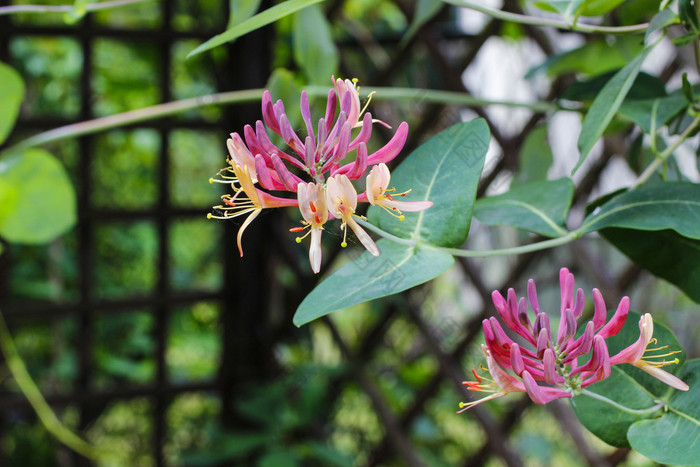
(446, 171)
(606, 104)
(640, 110)
(11, 96)
(627, 386)
(566, 8)
(664, 336)
(659, 206)
(424, 12)
(688, 15)
(593, 58)
(37, 200)
(664, 253)
(261, 19)
(606, 421)
(397, 268)
(535, 157)
(661, 20)
(539, 207)
(597, 7)
(645, 87)
(673, 438)
(314, 50)
(241, 10)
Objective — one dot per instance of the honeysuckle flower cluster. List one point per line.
(546, 365)
(318, 169)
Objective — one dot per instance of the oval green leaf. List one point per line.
(658, 206)
(397, 268)
(11, 96)
(37, 200)
(664, 253)
(539, 207)
(632, 390)
(251, 24)
(673, 438)
(445, 170)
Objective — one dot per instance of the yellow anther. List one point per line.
(209, 216)
(344, 244)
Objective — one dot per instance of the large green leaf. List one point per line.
(397, 268)
(314, 50)
(606, 104)
(445, 170)
(261, 19)
(659, 206)
(539, 207)
(11, 95)
(629, 388)
(37, 200)
(606, 421)
(673, 438)
(664, 253)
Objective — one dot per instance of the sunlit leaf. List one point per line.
(37, 200)
(11, 96)
(261, 19)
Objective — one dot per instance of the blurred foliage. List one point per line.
(194, 343)
(118, 88)
(50, 67)
(125, 259)
(125, 169)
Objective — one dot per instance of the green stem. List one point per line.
(571, 236)
(385, 234)
(138, 115)
(47, 417)
(9, 10)
(604, 399)
(536, 21)
(447, 97)
(250, 95)
(649, 171)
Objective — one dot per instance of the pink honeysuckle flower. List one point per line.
(313, 207)
(634, 355)
(246, 200)
(321, 161)
(549, 369)
(499, 384)
(378, 193)
(342, 202)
